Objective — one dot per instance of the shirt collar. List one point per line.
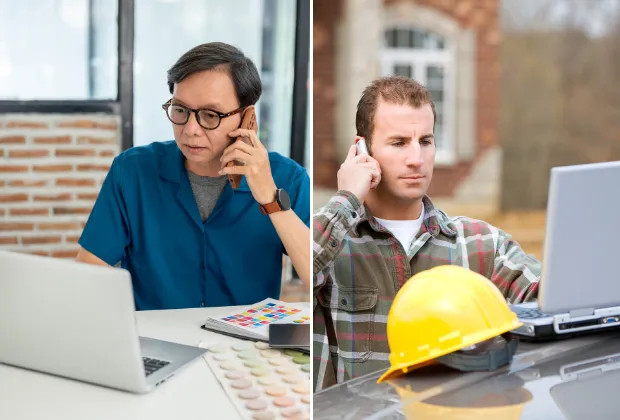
(435, 221)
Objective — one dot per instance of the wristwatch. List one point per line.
(281, 203)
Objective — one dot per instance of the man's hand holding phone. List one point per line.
(358, 174)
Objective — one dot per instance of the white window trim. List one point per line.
(421, 59)
(461, 44)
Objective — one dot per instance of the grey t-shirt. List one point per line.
(206, 191)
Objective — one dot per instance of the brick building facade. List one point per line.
(352, 47)
(51, 170)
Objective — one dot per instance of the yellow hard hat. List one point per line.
(498, 398)
(443, 310)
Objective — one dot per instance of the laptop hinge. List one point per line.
(576, 313)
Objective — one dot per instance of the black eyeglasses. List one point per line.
(208, 119)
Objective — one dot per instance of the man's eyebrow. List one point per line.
(427, 136)
(211, 105)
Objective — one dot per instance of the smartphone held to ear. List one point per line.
(248, 122)
(360, 143)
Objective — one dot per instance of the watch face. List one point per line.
(284, 200)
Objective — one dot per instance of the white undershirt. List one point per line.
(403, 230)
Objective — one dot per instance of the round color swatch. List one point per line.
(286, 370)
(301, 360)
(267, 381)
(242, 346)
(228, 366)
(241, 384)
(301, 389)
(218, 348)
(293, 379)
(270, 353)
(220, 357)
(249, 394)
(293, 353)
(275, 391)
(292, 412)
(284, 402)
(259, 371)
(305, 368)
(278, 361)
(261, 345)
(247, 354)
(252, 363)
(305, 399)
(264, 415)
(235, 374)
(256, 405)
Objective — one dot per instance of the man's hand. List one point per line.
(358, 174)
(256, 167)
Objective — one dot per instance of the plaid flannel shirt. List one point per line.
(359, 266)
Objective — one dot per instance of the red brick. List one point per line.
(75, 182)
(2, 183)
(25, 124)
(1, 152)
(72, 239)
(41, 253)
(12, 226)
(74, 152)
(87, 196)
(66, 253)
(8, 240)
(29, 212)
(13, 140)
(90, 167)
(13, 198)
(28, 183)
(35, 153)
(52, 168)
(53, 197)
(72, 210)
(88, 124)
(34, 240)
(53, 140)
(13, 168)
(107, 153)
(58, 226)
(97, 140)
(2, 211)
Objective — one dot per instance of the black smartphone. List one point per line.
(289, 335)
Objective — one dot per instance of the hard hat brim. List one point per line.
(402, 369)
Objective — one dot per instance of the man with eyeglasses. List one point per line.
(167, 212)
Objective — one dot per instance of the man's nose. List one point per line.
(413, 154)
(192, 128)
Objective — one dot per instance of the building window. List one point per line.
(58, 50)
(428, 58)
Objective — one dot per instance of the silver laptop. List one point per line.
(580, 283)
(77, 321)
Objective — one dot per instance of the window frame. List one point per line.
(422, 58)
(123, 105)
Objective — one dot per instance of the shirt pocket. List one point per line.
(353, 316)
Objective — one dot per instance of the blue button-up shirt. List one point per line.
(147, 218)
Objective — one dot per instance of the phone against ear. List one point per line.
(361, 146)
(249, 123)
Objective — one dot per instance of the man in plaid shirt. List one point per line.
(381, 228)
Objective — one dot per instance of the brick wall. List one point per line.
(51, 169)
(479, 15)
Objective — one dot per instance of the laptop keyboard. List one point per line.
(529, 313)
(153, 365)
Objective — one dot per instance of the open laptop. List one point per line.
(580, 283)
(77, 321)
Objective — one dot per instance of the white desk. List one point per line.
(193, 393)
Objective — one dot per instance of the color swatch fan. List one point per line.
(254, 322)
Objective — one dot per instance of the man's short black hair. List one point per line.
(211, 55)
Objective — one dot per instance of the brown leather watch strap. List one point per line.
(269, 207)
